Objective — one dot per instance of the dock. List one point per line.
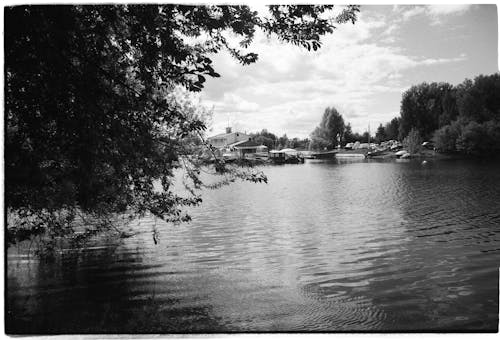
(340, 154)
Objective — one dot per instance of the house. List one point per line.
(225, 139)
(248, 147)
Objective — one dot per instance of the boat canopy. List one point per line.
(289, 151)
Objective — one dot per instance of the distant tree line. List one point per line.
(272, 141)
(463, 118)
(389, 131)
(459, 119)
(332, 131)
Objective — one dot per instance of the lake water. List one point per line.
(325, 246)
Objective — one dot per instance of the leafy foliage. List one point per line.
(434, 107)
(476, 131)
(413, 142)
(380, 135)
(470, 138)
(265, 138)
(329, 131)
(478, 100)
(349, 136)
(427, 107)
(392, 129)
(446, 137)
(92, 118)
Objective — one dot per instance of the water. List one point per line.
(325, 246)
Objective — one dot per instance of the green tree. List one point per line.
(329, 131)
(297, 143)
(380, 135)
(413, 142)
(479, 139)
(91, 123)
(427, 107)
(265, 138)
(392, 129)
(446, 137)
(475, 131)
(283, 142)
(365, 137)
(479, 100)
(270, 143)
(348, 134)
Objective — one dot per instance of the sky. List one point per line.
(361, 69)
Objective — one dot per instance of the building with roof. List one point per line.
(244, 148)
(225, 139)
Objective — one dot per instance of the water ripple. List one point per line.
(325, 246)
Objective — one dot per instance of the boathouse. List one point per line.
(224, 140)
(248, 147)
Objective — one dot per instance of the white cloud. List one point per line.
(287, 90)
(434, 61)
(436, 13)
(447, 9)
(417, 10)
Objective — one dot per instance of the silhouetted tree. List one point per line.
(348, 134)
(380, 135)
(392, 129)
(91, 123)
(365, 137)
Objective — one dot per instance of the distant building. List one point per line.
(248, 147)
(225, 139)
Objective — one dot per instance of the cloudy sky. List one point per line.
(361, 69)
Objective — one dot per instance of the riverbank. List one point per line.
(357, 153)
(421, 154)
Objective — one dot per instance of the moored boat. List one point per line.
(350, 155)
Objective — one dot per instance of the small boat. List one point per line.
(288, 156)
(294, 160)
(401, 153)
(375, 153)
(277, 157)
(325, 155)
(350, 155)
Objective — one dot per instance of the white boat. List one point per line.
(230, 156)
(349, 155)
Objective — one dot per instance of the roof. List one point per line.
(225, 135)
(290, 151)
(245, 144)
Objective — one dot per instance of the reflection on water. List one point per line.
(325, 246)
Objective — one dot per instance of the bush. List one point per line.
(446, 137)
(470, 138)
(413, 142)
